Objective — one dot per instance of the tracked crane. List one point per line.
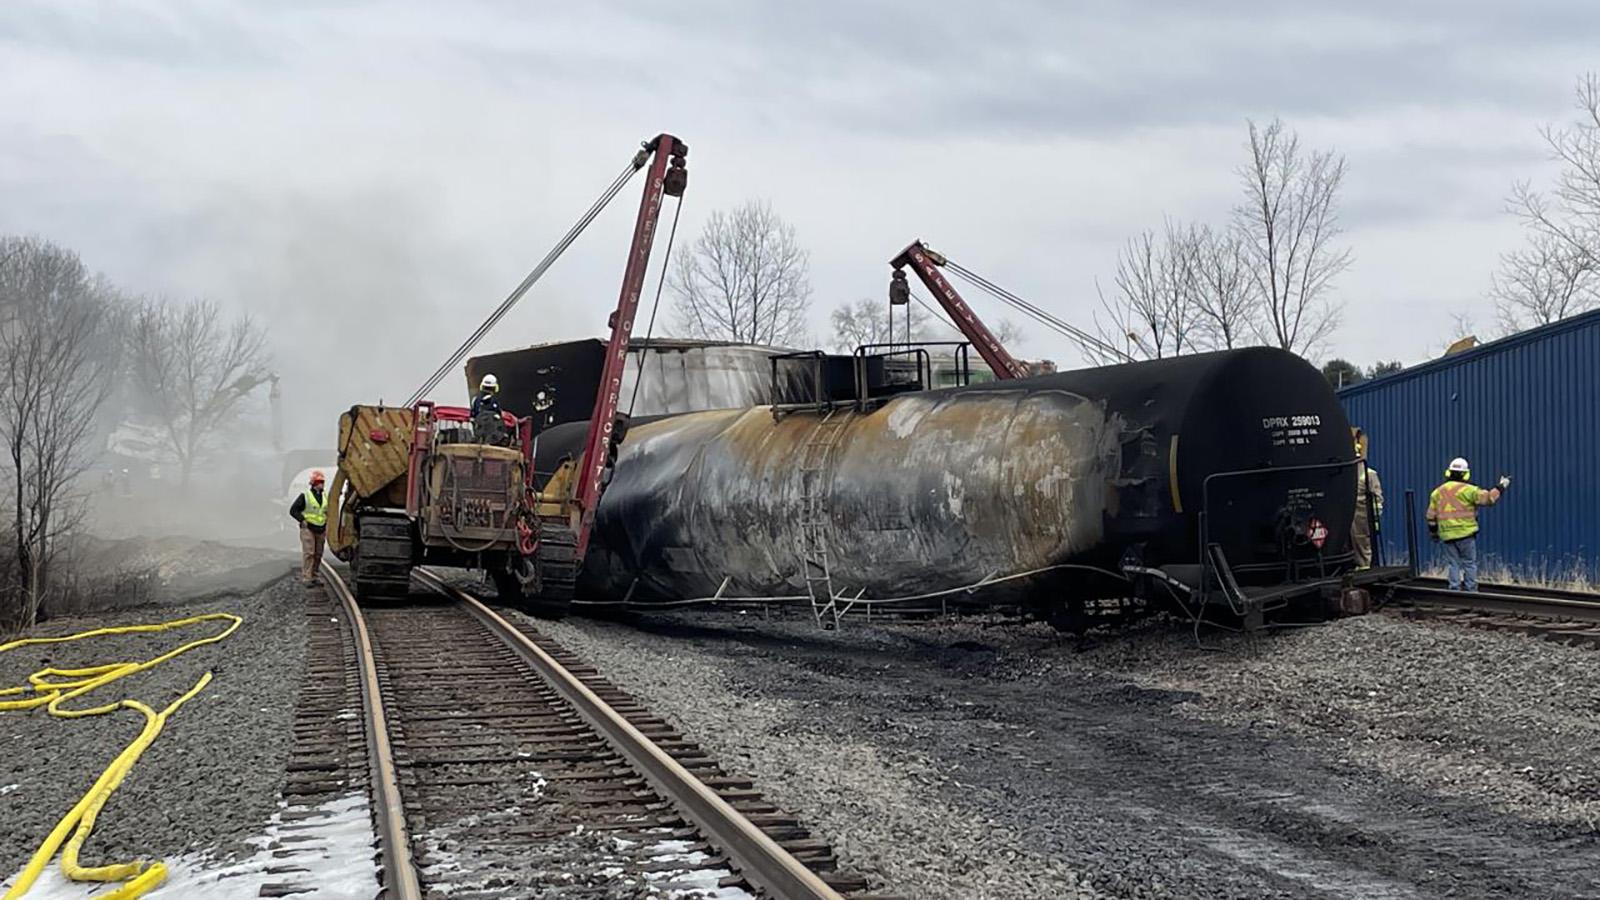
(426, 484)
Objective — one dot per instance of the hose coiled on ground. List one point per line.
(51, 688)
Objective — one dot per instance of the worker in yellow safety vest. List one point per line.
(1369, 505)
(310, 509)
(1453, 520)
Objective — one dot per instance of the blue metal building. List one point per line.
(1527, 405)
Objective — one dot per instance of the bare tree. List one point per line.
(193, 369)
(1225, 304)
(54, 374)
(861, 322)
(745, 280)
(1554, 276)
(1152, 312)
(1545, 281)
(1288, 223)
(1181, 285)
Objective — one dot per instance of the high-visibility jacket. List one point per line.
(316, 511)
(1453, 506)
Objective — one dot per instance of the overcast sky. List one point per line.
(371, 178)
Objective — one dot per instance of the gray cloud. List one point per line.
(320, 162)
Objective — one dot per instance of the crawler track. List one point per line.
(516, 770)
(1565, 616)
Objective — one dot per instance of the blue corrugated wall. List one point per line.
(1527, 405)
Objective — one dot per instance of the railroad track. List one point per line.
(1565, 616)
(500, 765)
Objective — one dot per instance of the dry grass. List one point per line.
(1571, 577)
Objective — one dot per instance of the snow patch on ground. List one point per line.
(693, 882)
(330, 854)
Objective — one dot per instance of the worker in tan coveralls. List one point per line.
(1362, 531)
(310, 509)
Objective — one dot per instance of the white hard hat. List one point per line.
(1459, 464)
(489, 383)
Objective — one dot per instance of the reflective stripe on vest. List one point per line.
(1456, 502)
(316, 511)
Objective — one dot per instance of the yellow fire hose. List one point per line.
(51, 688)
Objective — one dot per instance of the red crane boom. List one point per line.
(667, 176)
(926, 262)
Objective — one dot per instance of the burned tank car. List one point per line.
(1073, 476)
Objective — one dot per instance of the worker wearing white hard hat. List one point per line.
(1453, 520)
(485, 398)
(486, 419)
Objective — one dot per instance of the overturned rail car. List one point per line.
(1224, 477)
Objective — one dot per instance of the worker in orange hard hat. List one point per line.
(310, 509)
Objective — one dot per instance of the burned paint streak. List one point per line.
(926, 492)
(941, 489)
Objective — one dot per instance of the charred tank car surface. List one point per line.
(1226, 471)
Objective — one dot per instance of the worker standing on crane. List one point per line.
(310, 509)
(1453, 520)
(1369, 505)
(486, 421)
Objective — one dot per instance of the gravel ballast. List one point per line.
(210, 779)
(1371, 757)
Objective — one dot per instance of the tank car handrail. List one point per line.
(815, 357)
(922, 360)
(1204, 518)
(961, 356)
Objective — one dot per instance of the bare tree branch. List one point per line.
(193, 370)
(1541, 283)
(1153, 311)
(745, 280)
(1226, 302)
(55, 372)
(1554, 276)
(858, 323)
(1288, 224)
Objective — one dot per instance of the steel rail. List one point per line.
(399, 872)
(1547, 603)
(758, 858)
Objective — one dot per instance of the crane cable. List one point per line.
(51, 687)
(1038, 314)
(1017, 302)
(1045, 318)
(544, 265)
(937, 315)
(666, 260)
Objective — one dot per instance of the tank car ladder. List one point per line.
(815, 562)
